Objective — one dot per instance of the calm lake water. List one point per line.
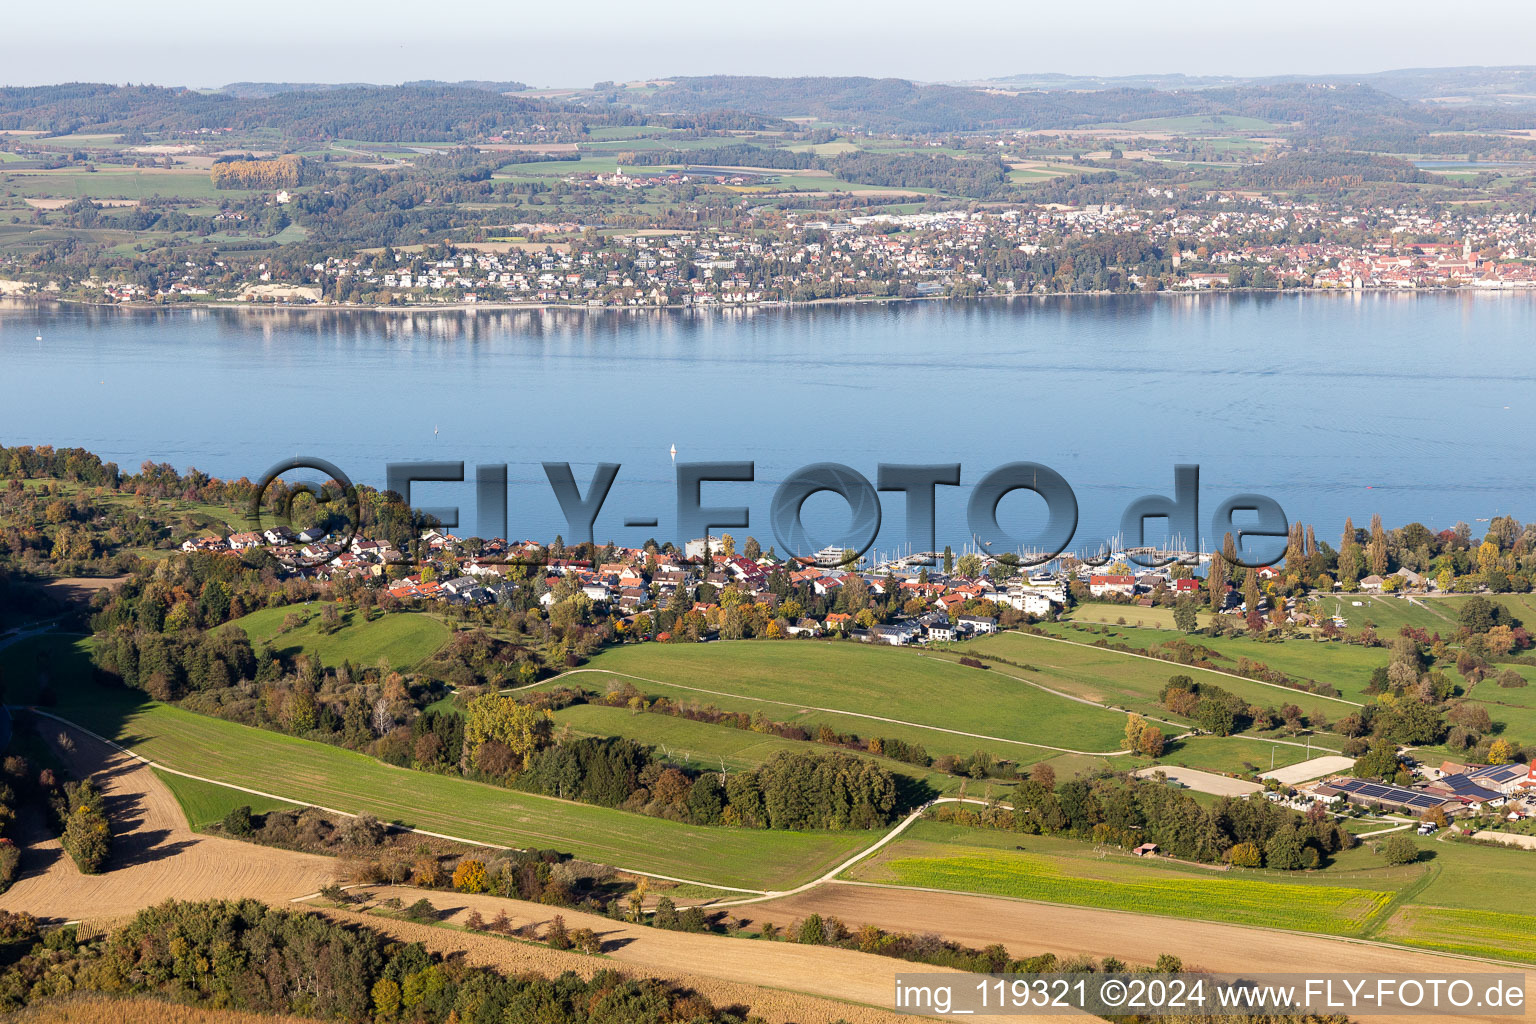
(1418, 407)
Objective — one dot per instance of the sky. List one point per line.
(194, 43)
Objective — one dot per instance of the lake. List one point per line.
(1414, 406)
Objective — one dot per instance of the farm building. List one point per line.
(1379, 794)
(1465, 790)
(1505, 778)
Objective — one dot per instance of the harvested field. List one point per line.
(76, 591)
(727, 971)
(155, 856)
(102, 1010)
(1067, 931)
(1203, 782)
(59, 204)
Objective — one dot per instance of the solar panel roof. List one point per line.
(1394, 794)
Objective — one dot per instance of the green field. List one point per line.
(1133, 683)
(1112, 614)
(204, 803)
(403, 638)
(1389, 614)
(835, 683)
(1483, 933)
(560, 168)
(1193, 124)
(1347, 667)
(1064, 871)
(114, 183)
(1233, 754)
(309, 772)
(1470, 876)
(1436, 614)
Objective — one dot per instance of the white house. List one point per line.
(1100, 586)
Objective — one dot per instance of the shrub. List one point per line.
(238, 822)
(421, 911)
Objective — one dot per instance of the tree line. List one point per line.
(1126, 811)
(248, 956)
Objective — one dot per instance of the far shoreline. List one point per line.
(41, 300)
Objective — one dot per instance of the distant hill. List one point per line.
(1512, 85)
(265, 90)
(894, 104)
(426, 113)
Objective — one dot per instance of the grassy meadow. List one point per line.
(1347, 667)
(1115, 678)
(314, 773)
(403, 639)
(205, 803)
(853, 687)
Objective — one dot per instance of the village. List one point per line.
(965, 599)
(1219, 240)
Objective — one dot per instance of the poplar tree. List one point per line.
(1376, 551)
(1349, 555)
(1216, 579)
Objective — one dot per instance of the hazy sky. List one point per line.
(181, 42)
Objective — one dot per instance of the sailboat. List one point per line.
(674, 453)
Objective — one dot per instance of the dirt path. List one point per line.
(727, 970)
(155, 856)
(1028, 929)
